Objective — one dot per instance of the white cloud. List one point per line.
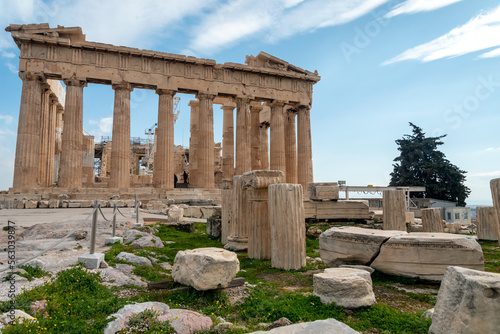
(481, 32)
(102, 127)
(273, 20)
(128, 22)
(415, 6)
(12, 68)
(487, 174)
(491, 149)
(491, 54)
(7, 119)
(8, 54)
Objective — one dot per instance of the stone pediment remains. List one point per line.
(265, 60)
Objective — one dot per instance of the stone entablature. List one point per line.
(62, 53)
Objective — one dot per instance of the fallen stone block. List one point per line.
(31, 204)
(205, 268)
(467, 302)
(54, 203)
(346, 287)
(427, 255)
(323, 191)
(175, 214)
(352, 245)
(43, 204)
(214, 227)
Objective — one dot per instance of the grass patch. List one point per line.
(491, 252)
(76, 303)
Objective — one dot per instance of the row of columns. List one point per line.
(36, 148)
(252, 141)
(39, 115)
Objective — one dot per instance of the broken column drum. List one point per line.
(394, 210)
(288, 235)
(227, 205)
(259, 231)
(486, 223)
(238, 235)
(431, 220)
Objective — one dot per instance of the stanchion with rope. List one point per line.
(137, 223)
(92, 260)
(114, 238)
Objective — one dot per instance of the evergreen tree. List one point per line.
(421, 164)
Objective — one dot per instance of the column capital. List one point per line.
(276, 103)
(256, 107)
(75, 82)
(161, 91)
(123, 86)
(228, 106)
(194, 103)
(302, 107)
(31, 76)
(204, 95)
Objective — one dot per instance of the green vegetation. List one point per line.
(78, 303)
(491, 253)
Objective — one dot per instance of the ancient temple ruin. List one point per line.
(54, 156)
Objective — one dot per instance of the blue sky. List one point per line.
(383, 64)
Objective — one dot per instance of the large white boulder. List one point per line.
(468, 302)
(352, 245)
(427, 255)
(349, 288)
(327, 326)
(205, 268)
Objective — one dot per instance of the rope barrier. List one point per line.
(53, 246)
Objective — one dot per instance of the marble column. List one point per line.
(58, 141)
(228, 141)
(70, 175)
(28, 132)
(290, 147)
(163, 175)
(206, 142)
(242, 136)
(394, 210)
(51, 141)
(304, 150)
(255, 154)
(120, 153)
(264, 145)
(193, 143)
(88, 161)
(240, 214)
(277, 158)
(44, 137)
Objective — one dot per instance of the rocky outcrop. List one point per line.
(427, 255)
(134, 259)
(327, 326)
(182, 321)
(205, 268)
(352, 245)
(346, 287)
(467, 303)
(123, 315)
